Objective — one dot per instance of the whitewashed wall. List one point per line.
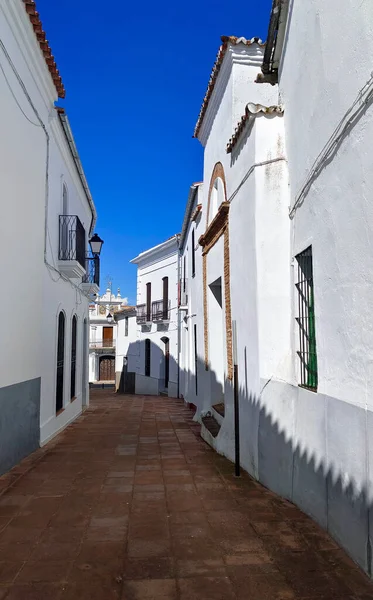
(153, 265)
(190, 389)
(31, 128)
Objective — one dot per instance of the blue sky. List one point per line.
(135, 75)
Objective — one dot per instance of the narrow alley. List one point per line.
(129, 503)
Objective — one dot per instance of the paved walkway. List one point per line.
(130, 504)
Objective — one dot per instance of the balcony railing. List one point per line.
(141, 314)
(160, 311)
(183, 292)
(92, 270)
(72, 242)
(102, 344)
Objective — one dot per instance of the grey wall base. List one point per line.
(316, 451)
(19, 422)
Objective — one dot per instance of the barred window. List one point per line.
(306, 320)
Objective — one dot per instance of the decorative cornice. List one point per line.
(226, 41)
(215, 229)
(197, 211)
(252, 111)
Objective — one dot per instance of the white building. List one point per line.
(126, 349)
(103, 336)
(191, 298)
(156, 350)
(286, 253)
(48, 217)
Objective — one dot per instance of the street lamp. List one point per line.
(110, 318)
(96, 244)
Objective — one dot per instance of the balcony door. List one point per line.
(107, 337)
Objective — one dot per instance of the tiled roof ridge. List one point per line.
(252, 109)
(36, 23)
(226, 39)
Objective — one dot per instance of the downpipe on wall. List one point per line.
(237, 467)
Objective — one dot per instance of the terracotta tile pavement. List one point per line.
(129, 503)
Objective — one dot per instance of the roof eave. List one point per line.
(188, 213)
(74, 152)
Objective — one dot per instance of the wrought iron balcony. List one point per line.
(141, 314)
(160, 311)
(99, 344)
(92, 271)
(72, 246)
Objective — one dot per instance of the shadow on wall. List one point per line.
(145, 356)
(284, 433)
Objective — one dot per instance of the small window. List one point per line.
(126, 327)
(306, 320)
(147, 358)
(193, 255)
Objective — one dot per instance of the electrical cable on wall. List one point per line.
(51, 268)
(345, 125)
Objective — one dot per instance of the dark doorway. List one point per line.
(107, 368)
(166, 342)
(73, 357)
(147, 357)
(60, 361)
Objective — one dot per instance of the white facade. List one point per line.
(103, 336)
(191, 303)
(294, 174)
(41, 176)
(156, 351)
(126, 348)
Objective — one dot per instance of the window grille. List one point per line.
(306, 320)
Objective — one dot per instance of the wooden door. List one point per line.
(107, 337)
(107, 368)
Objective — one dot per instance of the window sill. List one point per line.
(58, 413)
(73, 399)
(306, 387)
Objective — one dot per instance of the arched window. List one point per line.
(147, 358)
(73, 357)
(216, 198)
(60, 361)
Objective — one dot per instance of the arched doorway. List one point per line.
(107, 368)
(73, 358)
(166, 342)
(60, 361)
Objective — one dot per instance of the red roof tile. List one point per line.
(36, 23)
(226, 39)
